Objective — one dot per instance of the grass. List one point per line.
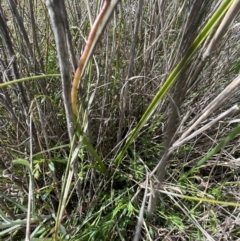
(154, 124)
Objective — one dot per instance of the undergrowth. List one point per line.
(153, 153)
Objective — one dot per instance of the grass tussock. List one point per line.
(150, 149)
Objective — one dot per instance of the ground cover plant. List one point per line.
(119, 120)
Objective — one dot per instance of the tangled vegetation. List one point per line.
(119, 120)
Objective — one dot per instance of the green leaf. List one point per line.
(22, 162)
